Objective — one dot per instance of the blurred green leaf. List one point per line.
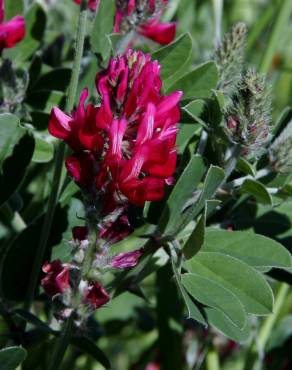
(17, 264)
(214, 295)
(281, 333)
(253, 249)
(198, 83)
(257, 190)
(16, 150)
(43, 152)
(88, 346)
(58, 79)
(44, 100)
(12, 357)
(13, 8)
(242, 280)
(102, 27)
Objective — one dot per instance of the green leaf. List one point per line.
(16, 149)
(44, 100)
(43, 152)
(58, 79)
(281, 333)
(257, 190)
(253, 249)
(214, 295)
(88, 346)
(244, 166)
(102, 27)
(196, 239)
(34, 320)
(35, 24)
(242, 280)
(71, 189)
(10, 134)
(182, 191)
(221, 322)
(17, 264)
(198, 83)
(173, 57)
(214, 178)
(193, 309)
(195, 109)
(13, 8)
(12, 357)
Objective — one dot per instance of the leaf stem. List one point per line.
(59, 160)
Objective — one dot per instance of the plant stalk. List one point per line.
(62, 344)
(257, 347)
(59, 160)
(212, 360)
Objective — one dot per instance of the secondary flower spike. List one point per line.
(144, 17)
(125, 148)
(12, 31)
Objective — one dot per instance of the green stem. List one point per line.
(266, 329)
(62, 344)
(59, 160)
(278, 30)
(212, 360)
(90, 253)
(218, 10)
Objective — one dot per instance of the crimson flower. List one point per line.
(144, 18)
(92, 4)
(12, 31)
(57, 279)
(125, 147)
(96, 296)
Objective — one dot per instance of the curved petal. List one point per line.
(59, 124)
(162, 33)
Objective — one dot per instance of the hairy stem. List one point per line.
(59, 160)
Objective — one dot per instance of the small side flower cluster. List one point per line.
(281, 151)
(229, 57)
(141, 16)
(12, 31)
(248, 118)
(144, 17)
(123, 153)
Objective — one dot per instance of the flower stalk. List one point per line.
(59, 160)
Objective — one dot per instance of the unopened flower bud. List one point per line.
(229, 58)
(281, 151)
(248, 118)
